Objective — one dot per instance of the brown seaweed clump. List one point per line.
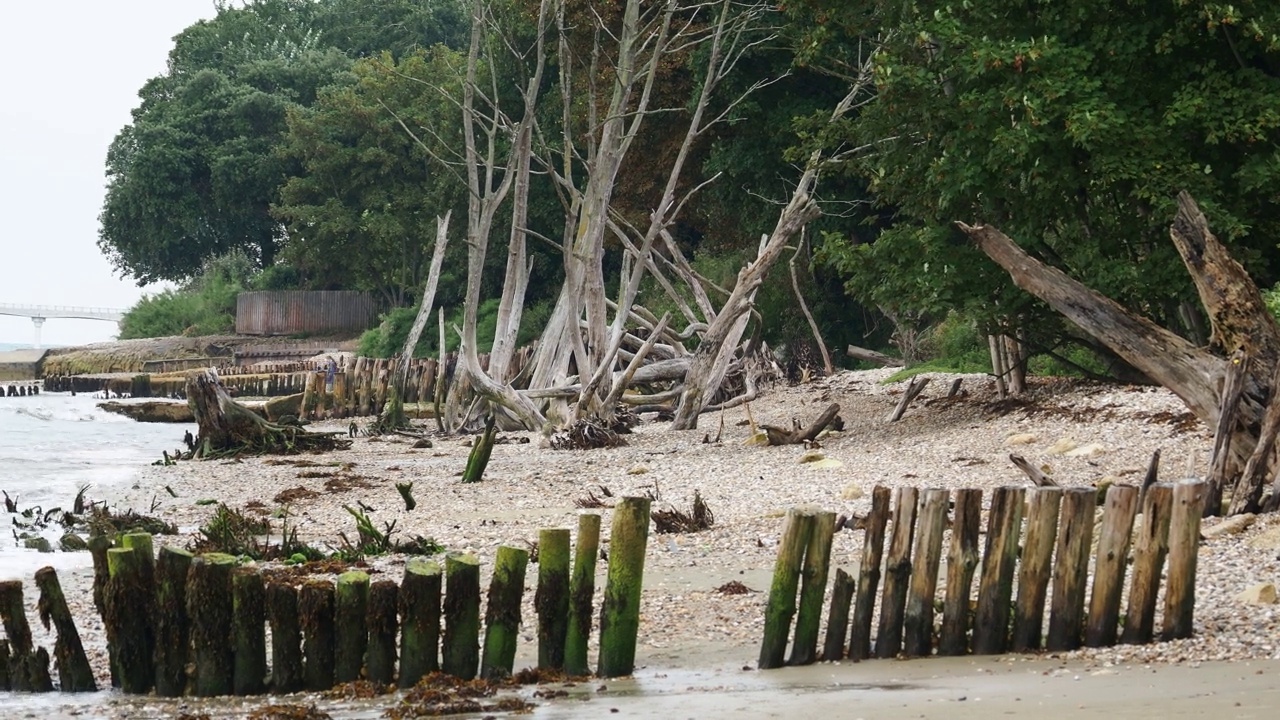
(674, 521)
(438, 694)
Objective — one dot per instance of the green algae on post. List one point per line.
(209, 605)
(315, 613)
(419, 621)
(552, 597)
(351, 633)
(124, 595)
(781, 606)
(502, 618)
(74, 672)
(461, 656)
(173, 627)
(582, 585)
(620, 614)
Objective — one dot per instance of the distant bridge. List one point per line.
(40, 313)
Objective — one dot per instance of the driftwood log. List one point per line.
(799, 434)
(1241, 324)
(228, 429)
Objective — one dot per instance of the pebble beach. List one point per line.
(1079, 433)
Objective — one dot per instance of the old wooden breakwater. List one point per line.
(1051, 550)
(358, 387)
(19, 390)
(198, 625)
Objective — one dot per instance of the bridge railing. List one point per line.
(15, 308)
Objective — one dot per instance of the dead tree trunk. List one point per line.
(228, 429)
(1232, 301)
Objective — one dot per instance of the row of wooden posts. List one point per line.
(197, 625)
(1055, 548)
(19, 390)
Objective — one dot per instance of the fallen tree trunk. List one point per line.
(228, 429)
(871, 356)
(1232, 301)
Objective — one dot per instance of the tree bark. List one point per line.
(1240, 323)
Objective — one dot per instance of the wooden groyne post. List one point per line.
(620, 612)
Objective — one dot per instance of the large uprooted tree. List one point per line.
(1231, 384)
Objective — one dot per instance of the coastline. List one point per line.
(687, 628)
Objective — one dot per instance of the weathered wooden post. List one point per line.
(869, 575)
(1148, 563)
(173, 627)
(351, 610)
(1071, 568)
(74, 672)
(838, 616)
(286, 638)
(502, 615)
(582, 585)
(28, 666)
(384, 598)
(781, 607)
(813, 588)
(898, 574)
(419, 621)
(209, 605)
(552, 597)
(918, 616)
(249, 612)
(461, 656)
(995, 590)
(1037, 566)
(144, 552)
(124, 594)
(1102, 626)
(98, 546)
(620, 614)
(315, 613)
(962, 560)
(1184, 544)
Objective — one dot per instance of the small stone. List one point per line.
(1021, 439)
(827, 464)
(40, 544)
(1062, 446)
(1260, 594)
(852, 491)
(638, 470)
(1087, 451)
(811, 456)
(759, 439)
(422, 444)
(72, 542)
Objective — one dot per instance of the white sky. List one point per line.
(72, 72)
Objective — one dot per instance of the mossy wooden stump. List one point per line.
(315, 613)
(173, 625)
(502, 616)
(210, 607)
(419, 621)
(249, 600)
(461, 654)
(620, 612)
(582, 585)
(552, 598)
(27, 666)
(126, 601)
(380, 664)
(74, 672)
(286, 638)
(351, 610)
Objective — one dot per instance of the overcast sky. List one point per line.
(72, 74)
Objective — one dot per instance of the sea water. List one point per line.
(53, 444)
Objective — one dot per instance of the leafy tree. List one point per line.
(195, 174)
(205, 305)
(362, 210)
(1071, 126)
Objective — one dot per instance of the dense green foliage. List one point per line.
(319, 139)
(205, 305)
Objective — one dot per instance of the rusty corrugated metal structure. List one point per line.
(294, 312)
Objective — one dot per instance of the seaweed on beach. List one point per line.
(438, 694)
(291, 495)
(289, 712)
(671, 520)
(232, 532)
(587, 435)
(103, 521)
